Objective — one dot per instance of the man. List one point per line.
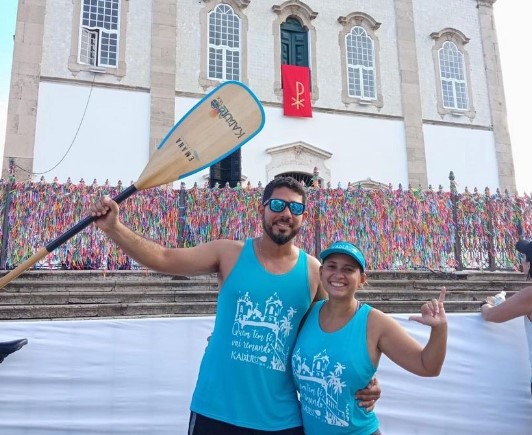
(266, 286)
(518, 305)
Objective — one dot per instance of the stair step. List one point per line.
(119, 310)
(95, 297)
(80, 311)
(108, 286)
(94, 294)
(169, 296)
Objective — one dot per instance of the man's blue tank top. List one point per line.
(245, 377)
(329, 368)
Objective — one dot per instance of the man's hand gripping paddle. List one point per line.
(220, 123)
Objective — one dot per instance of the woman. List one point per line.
(524, 247)
(339, 346)
(518, 305)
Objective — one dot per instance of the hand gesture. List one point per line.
(433, 312)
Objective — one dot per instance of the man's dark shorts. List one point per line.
(201, 425)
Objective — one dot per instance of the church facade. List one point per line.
(401, 91)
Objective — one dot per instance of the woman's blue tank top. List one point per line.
(329, 368)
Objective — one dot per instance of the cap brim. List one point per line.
(327, 252)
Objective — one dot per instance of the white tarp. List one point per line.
(136, 376)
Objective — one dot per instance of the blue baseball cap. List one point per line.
(346, 248)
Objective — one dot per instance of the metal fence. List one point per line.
(396, 228)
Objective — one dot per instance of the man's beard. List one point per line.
(279, 239)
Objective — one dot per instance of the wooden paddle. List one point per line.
(220, 123)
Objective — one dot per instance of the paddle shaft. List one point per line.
(84, 223)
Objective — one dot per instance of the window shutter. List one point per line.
(285, 47)
(300, 49)
(294, 43)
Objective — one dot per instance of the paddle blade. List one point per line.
(219, 124)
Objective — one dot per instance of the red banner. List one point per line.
(296, 91)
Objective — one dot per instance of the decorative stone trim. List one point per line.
(297, 157)
(370, 25)
(486, 3)
(237, 5)
(295, 7)
(460, 40)
(75, 67)
(368, 183)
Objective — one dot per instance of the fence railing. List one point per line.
(396, 228)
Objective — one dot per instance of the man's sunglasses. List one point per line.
(278, 205)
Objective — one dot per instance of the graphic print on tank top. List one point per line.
(261, 331)
(321, 388)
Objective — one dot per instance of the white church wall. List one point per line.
(113, 139)
(361, 147)
(433, 16)
(116, 117)
(469, 153)
(116, 128)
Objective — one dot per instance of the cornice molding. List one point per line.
(241, 4)
(299, 148)
(486, 3)
(357, 18)
(294, 7)
(450, 34)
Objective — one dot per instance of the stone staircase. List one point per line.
(61, 295)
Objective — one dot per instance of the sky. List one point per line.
(511, 20)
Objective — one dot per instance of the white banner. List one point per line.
(136, 376)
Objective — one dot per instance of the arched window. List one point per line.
(225, 48)
(360, 47)
(453, 80)
(224, 44)
(451, 67)
(294, 43)
(360, 55)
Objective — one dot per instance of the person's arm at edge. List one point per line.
(520, 304)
